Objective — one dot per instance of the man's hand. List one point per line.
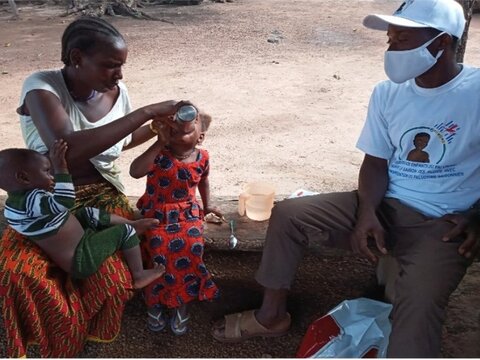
(464, 226)
(367, 227)
(57, 156)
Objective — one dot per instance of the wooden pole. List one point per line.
(468, 9)
(13, 6)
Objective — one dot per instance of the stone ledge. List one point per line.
(250, 234)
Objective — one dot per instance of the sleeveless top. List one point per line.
(53, 81)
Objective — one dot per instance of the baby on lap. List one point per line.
(38, 206)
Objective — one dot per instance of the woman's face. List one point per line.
(102, 69)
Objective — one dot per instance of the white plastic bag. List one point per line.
(353, 329)
(302, 192)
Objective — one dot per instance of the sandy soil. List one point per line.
(287, 112)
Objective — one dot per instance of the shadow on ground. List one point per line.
(321, 284)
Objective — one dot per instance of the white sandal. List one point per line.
(156, 322)
(179, 324)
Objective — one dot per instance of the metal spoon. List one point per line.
(232, 242)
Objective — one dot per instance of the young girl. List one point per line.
(174, 171)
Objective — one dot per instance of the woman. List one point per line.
(86, 104)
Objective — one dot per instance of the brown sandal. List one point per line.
(244, 325)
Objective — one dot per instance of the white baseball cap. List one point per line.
(443, 15)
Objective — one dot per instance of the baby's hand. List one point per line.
(57, 156)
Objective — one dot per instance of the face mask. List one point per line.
(401, 66)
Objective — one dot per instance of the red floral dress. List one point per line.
(170, 197)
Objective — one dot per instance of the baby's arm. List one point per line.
(64, 191)
(143, 164)
(63, 194)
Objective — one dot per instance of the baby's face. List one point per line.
(421, 142)
(39, 173)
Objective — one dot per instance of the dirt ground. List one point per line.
(286, 112)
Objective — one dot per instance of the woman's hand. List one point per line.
(166, 109)
(162, 123)
(57, 156)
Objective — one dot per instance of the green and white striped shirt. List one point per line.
(39, 213)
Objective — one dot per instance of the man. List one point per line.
(416, 210)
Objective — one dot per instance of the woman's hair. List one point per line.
(85, 33)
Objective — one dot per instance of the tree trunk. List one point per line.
(121, 7)
(106, 7)
(169, 2)
(468, 6)
(13, 6)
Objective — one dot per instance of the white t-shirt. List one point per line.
(431, 139)
(53, 82)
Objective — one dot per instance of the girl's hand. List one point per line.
(214, 210)
(57, 156)
(162, 127)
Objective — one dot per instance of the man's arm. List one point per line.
(372, 186)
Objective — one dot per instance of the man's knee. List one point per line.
(296, 208)
(284, 209)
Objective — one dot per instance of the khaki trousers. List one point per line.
(430, 269)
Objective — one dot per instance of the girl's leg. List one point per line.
(179, 320)
(157, 320)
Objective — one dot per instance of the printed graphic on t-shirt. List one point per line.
(420, 142)
(422, 151)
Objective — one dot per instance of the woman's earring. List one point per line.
(76, 66)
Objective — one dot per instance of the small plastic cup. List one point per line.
(186, 113)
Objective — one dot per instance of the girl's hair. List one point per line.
(85, 33)
(205, 121)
